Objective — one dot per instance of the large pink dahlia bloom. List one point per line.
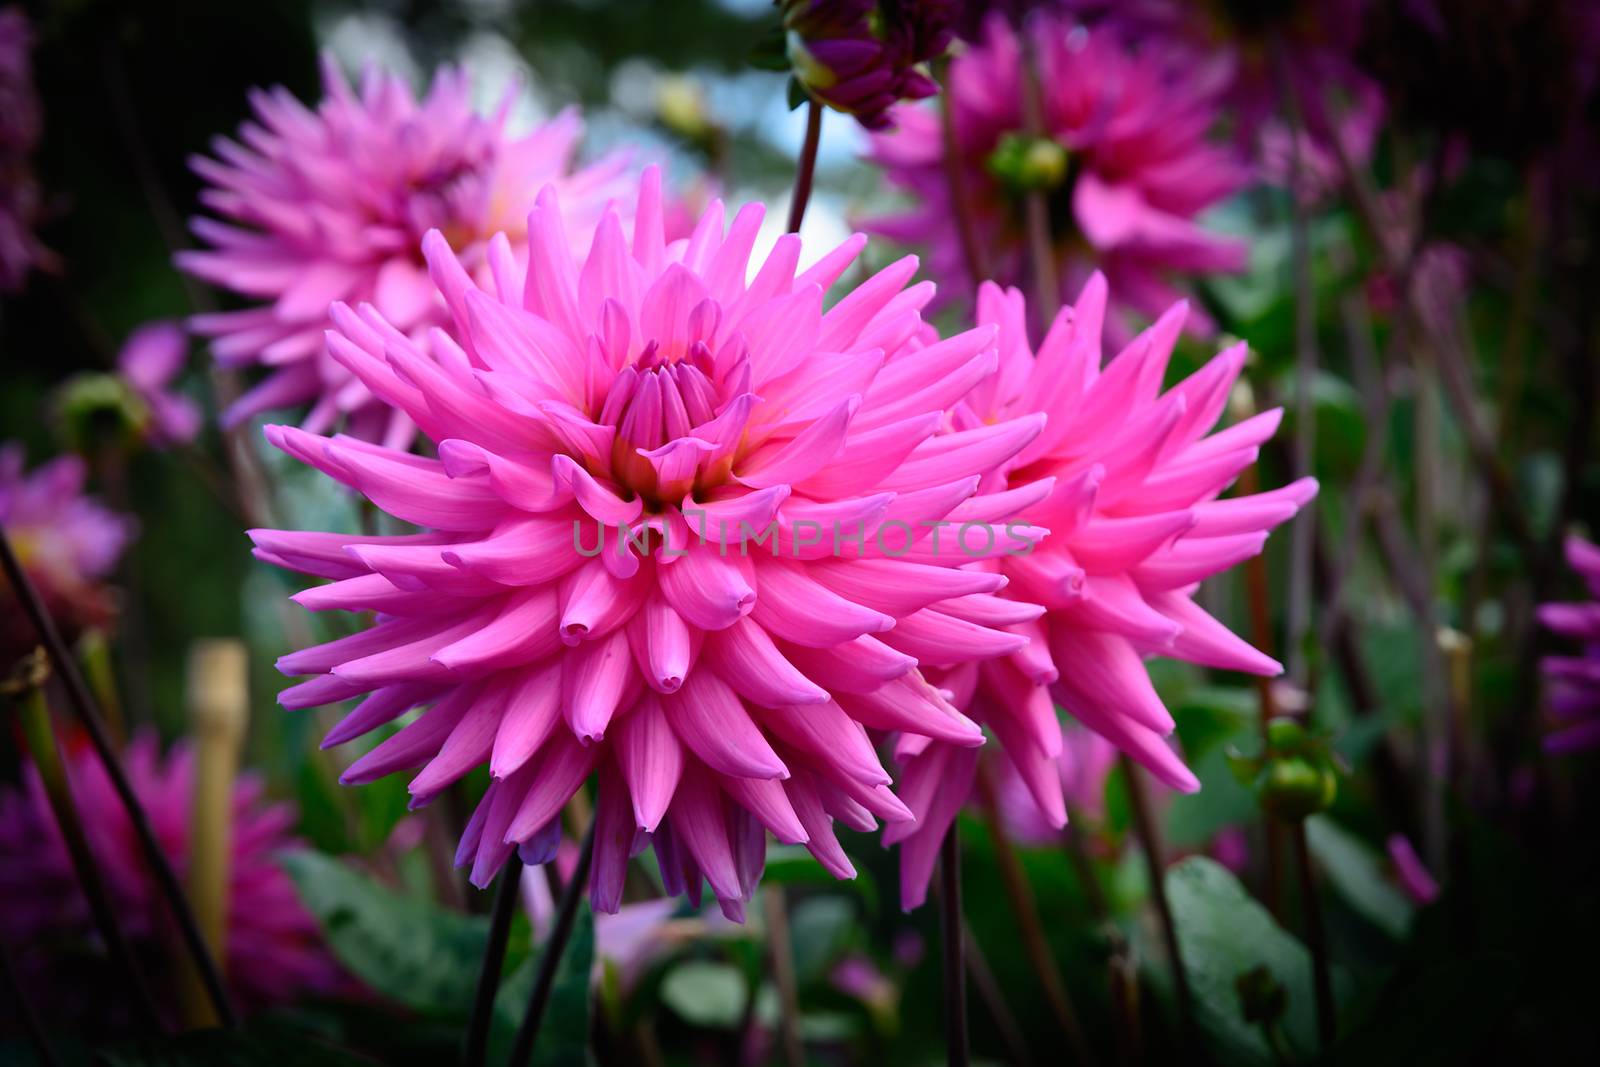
(777, 469)
(1574, 681)
(1135, 525)
(1138, 167)
(274, 952)
(67, 542)
(332, 204)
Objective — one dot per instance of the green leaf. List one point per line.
(1360, 876)
(1223, 934)
(564, 1034)
(797, 94)
(706, 993)
(259, 1045)
(821, 928)
(405, 948)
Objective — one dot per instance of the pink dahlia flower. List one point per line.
(1574, 681)
(1085, 763)
(776, 472)
(274, 951)
(1138, 168)
(1135, 525)
(68, 543)
(332, 204)
(152, 358)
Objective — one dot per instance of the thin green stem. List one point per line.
(494, 958)
(958, 1051)
(554, 949)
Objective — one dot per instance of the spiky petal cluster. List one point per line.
(20, 201)
(1138, 170)
(717, 691)
(67, 542)
(274, 952)
(1135, 525)
(332, 204)
(1085, 763)
(861, 57)
(1574, 681)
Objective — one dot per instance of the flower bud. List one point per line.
(1028, 164)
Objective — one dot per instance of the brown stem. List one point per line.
(806, 168)
(84, 707)
(958, 1051)
(956, 179)
(1046, 285)
(1144, 828)
(1316, 936)
(46, 753)
(1025, 909)
(1122, 976)
(781, 957)
(994, 999)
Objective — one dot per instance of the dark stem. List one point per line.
(958, 1052)
(46, 752)
(993, 997)
(1121, 975)
(1025, 909)
(1149, 841)
(806, 168)
(1046, 287)
(1260, 605)
(781, 958)
(494, 958)
(554, 949)
(83, 705)
(956, 179)
(25, 1011)
(1316, 938)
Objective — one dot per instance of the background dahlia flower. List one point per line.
(1135, 525)
(1574, 681)
(332, 204)
(785, 465)
(862, 57)
(68, 543)
(152, 357)
(1137, 170)
(274, 952)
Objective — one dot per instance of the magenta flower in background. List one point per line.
(1137, 169)
(776, 470)
(1574, 681)
(332, 204)
(1409, 870)
(153, 356)
(1085, 763)
(274, 951)
(68, 543)
(862, 57)
(1135, 525)
(20, 125)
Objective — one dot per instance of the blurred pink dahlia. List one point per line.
(67, 542)
(776, 474)
(1135, 525)
(274, 952)
(1574, 681)
(152, 357)
(332, 204)
(1127, 167)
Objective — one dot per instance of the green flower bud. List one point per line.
(1028, 164)
(100, 408)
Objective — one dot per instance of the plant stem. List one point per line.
(1149, 841)
(781, 957)
(956, 179)
(1122, 977)
(494, 958)
(25, 1011)
(957, 1047)
(1316, 937)
(1046, 286)
(1025, 909)
(994, 999)
(83, 705)
(806, 167)
(554, 949)
(46, 752)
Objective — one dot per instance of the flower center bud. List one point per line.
(655, 404)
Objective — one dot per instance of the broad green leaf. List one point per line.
(706, 993)
(405, 948)
(1360, 876)
(1224, 933)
